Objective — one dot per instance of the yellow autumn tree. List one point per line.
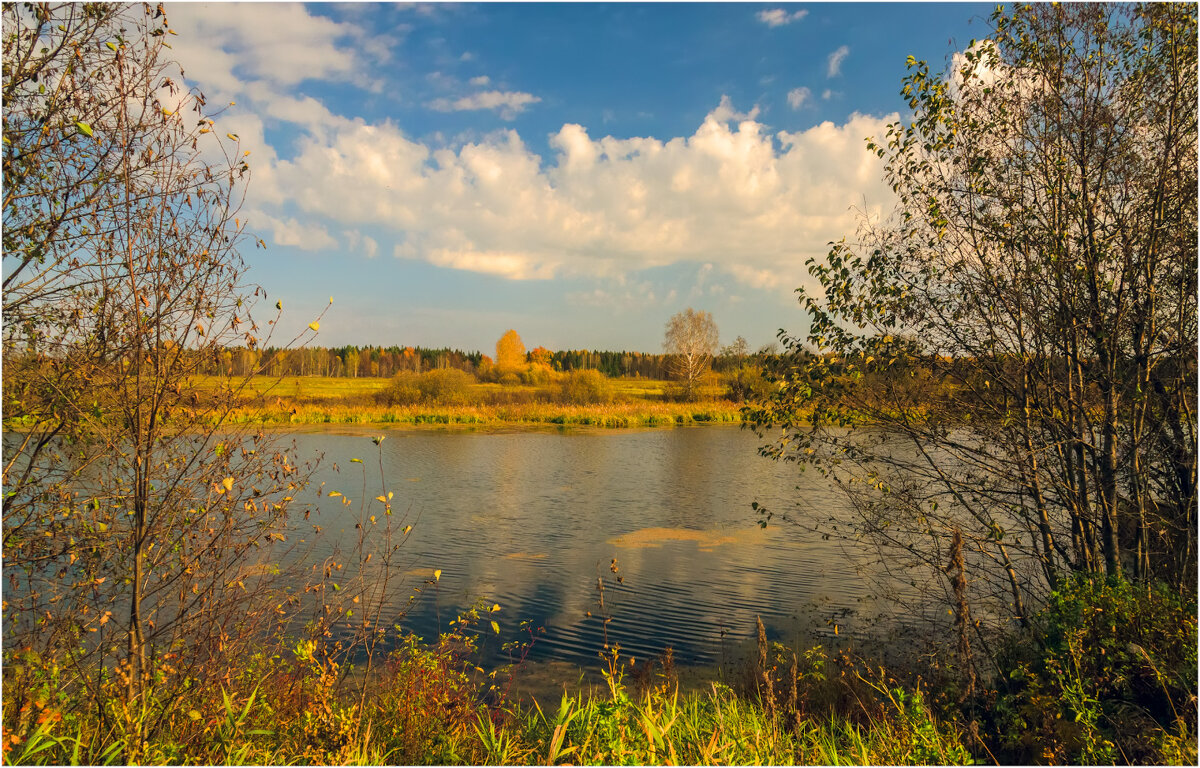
(510, 353)
(510, 358)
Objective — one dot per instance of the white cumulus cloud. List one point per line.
(755, 204)
(224, 46)
(752, 202)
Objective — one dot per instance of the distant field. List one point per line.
(303, 400)
(308, 387)
(336, 388)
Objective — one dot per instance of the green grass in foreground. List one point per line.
(1074, 689)
(426, 707)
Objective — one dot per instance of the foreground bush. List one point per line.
(1107, 674)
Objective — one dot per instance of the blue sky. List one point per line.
(578, 172)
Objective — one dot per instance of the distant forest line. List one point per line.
(384, 362)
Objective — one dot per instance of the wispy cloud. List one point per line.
(620, 297)
(508, 103)
(480, 81)
(777, 17)
(797, 97)
(835, 61)
(357, 242)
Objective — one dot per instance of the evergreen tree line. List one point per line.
(353, 361)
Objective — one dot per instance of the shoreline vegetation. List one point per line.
(1054, 699)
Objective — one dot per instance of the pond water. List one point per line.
(530, 520)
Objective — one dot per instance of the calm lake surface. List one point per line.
(529, 520)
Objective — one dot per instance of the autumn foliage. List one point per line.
(510, 353)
